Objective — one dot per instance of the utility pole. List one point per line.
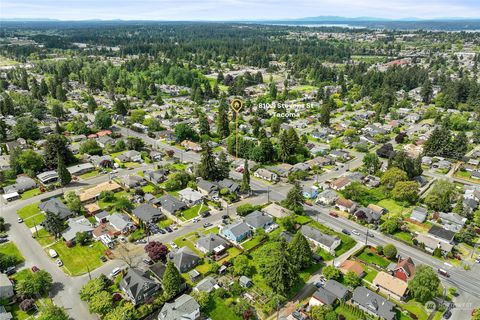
(366, 237)
(268, 193)
(89, 275)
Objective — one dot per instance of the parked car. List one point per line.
(115, 272)
(35, 269)
(52, 253)
(169, 229)
(447, 314)
(148, 261)
(3, 240)
(162, 231)
(10, 270)
(103, 258)
(59, 262)
(225, 216)
(173, 245)
(346, 232)
(207, 224)
(355, 232)
(443, 272)
(20, 220)
(205, 214)
(333, 214)
(195, 220)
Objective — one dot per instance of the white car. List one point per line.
(59, 262)
(173, 245)
(271, 227)
(20, 220)
(115, 272)
(355, 232)
(52, 253)
(195, 220)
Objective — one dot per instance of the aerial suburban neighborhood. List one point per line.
(238, 171)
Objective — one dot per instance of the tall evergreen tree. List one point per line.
(300, 251)
(207, 168)
(63, 174)
(245, 187)
(223, 167)
(281, 273)
(223, 125)
(294, 200)
(204, 126)
(53, 224)
(171, 281)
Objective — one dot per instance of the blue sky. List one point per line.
(234, 9)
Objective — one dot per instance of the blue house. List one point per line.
(310, 193)
(236, 232)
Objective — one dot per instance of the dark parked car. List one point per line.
(447, 314)
(148, 261)
(169, 229)
(161, 231)
(346, 231)
(10, 270)
(205, 214)
(35, 269)
(2, 240)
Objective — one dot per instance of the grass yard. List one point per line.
(149, 188)
(22, 274)
(303, 220)
(164, 223)
(105, 204)
(405, 236)
(193, 212)
(232, 253)
(251, 243)
(30, 193)
(215, 230)
(373, 258)
(89, 175)
(416, 308)
(44, 238)
(393, 207)
(29, 210)
(218, 310)
(370, 274)
(189, 240)
(10, 249)
(79, 259)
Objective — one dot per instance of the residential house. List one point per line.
(208, 284)
(6, 287)
(441, 234)
(80, 169)
(56, 207)
(184, 259)
(266, 175)
(4, 315)
(352, 266)
(236, 231)
(171, 205)
(155, 155)
(339, 290)
(258, 219)
(390, 285)
(147, 213)
(367, 215)
(183, 308)
(190, 145)
(22, 184)
(322, 297)
(405, 269)
(130, 156)
(318, 162)
(207, 188)
(340, 183)
(190, 197)
(310, 193)
(327, 197)
(133, 181)
(431, 243)
(211, 243)
(230, 185)
(92, 194)
(137, 286)
(76, 225)
(121, 222)
(345, 205)
(105, 161)
(373, 303)
(102, 216)
(157, 176)
(419, 214)
(105, 141)
(245, 282)
(48, 177)
(276, 211)
(451, 221)
(319, 239)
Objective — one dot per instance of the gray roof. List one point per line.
(120, 221)
(171, 204)
(147, 213)
(419, 214)
(207, 185)
(367, 214)
(22, 184)
(207, 284)
(231, 185)
(56, 207)
(138, 285)
(184, 258)
(374, 303)
(336, 288)
(237, 229)
(258, 219)
(80, 224)
(318, 236)
(211, 241)
(183, 305)
(441, 233)
(325, 296)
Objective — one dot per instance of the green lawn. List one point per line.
(393, 207)
(370, 274)
(28, 211)
(324, 254)
(252, 243)
(189, 240)
(79, 259)
(22, 274)
(416, 308)
(218, 310)
(105, 204)
(30, 193)
(165, 223)
(303, 220)
(193, 212)
(89, 175)
(215, 230)
(10, 249)
(348, 313)
(232, 253)
(405, 236)
(346, 244)
(370, 257)
(44, 238)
